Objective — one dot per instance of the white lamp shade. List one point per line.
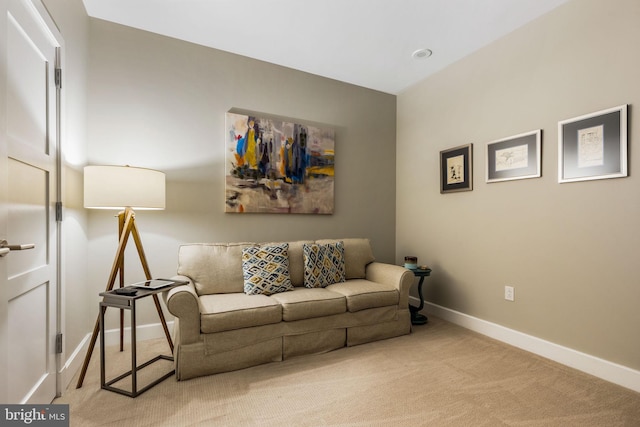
(119, 187)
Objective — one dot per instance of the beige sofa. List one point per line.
(219, 328)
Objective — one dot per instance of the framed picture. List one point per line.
(593, 146)
(278, 166)
(456, 169)
(516, 157)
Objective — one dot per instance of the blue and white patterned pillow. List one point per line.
(323, 264)
(265, 269)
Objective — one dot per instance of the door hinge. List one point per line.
(58, 78)
(58, 211)
(59, 344)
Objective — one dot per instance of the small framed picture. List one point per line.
(456, 169)
(593, 146)
(515, 157)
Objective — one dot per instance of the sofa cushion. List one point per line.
(323, 264)
(362, 294)
(225, 312)
(266, 269)
(357, 255)
(214, 268)
(303, 303)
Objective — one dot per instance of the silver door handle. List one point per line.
(5, 248)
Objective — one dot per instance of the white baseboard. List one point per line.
(608, 371)
(111, 337)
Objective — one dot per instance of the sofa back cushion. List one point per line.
(357, 255)
(215, 268)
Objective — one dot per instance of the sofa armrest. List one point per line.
(393, 275)
(182, 301)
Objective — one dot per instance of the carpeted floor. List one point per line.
(440, 375)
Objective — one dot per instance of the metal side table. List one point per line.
(128, 302)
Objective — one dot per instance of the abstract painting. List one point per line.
(277, 166)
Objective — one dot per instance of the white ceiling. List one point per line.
(363, 42)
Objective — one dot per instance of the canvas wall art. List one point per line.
(276, 166)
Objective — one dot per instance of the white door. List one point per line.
(28, 195)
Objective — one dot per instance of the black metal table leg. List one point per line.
(416, 317)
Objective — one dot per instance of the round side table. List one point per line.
(416, 317)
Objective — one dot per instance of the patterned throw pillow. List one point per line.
(266, 269)
(323, 264)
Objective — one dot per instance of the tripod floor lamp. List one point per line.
(126, 188)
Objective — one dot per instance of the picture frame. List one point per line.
(514, 157)
(275, 165)
(456, 169)
(593, 146)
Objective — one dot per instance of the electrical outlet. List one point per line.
(509, 293)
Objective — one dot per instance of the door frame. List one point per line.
(57, 39)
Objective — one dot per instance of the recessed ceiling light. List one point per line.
(422, 53)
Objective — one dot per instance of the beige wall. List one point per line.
(160, 103)
(570, 250)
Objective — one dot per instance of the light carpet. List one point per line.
(439, 375)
